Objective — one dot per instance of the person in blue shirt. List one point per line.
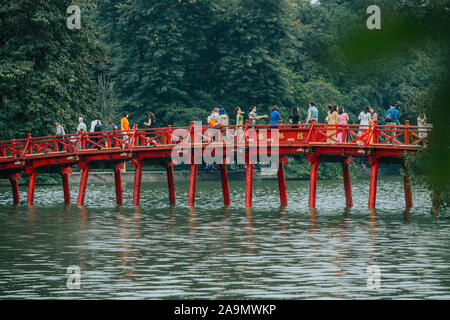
(391, 117)
(313, 113)
(394, 113)
(275, 117)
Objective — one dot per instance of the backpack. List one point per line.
(98, 127)
(388, 117)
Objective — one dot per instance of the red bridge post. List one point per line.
(139, 164)
(313, 180)
(31, 185)
(192, 184)
(407, 186)
(249, 185)
(83, 183)
(171, 183)
(347, 184)
(373, 181)
(118, 182)
(15, 187)
(65, 181)
(282, 183)
(225, 188)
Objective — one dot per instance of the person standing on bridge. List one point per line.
(59, 133)
(391, 117)
(294, 118)
(313, 113)
(125, 126)
(213, 117)
(151, 120)
(275, 117)
(223, 118)
(81, 125)
(332, 124)
(109, 127)
(364, 118)
(343, 122)
(374, 118)
(239, 132)
(252, 115)
(96, 126)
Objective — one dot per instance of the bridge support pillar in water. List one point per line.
(171, 184)
(373, 181)
(118, 182)
(192, 184)
(83, 183)
(31, 184)
(249, 185)
(65, 182)
(225, 188)
(137, 182)
(13, 178)
(347, 184)
(407, 187)
(282, 183)
(313, 180)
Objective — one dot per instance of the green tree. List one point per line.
(46, 70)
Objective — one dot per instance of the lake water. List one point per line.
(212, 252)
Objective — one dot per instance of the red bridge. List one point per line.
(242, 144)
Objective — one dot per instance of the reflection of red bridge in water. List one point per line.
(319, 142)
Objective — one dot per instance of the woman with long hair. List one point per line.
(364, 124)
(342, 121)
(374, 117)
(151, 120)
(294, 118)
(332, 124)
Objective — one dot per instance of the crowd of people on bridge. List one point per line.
(336, 118)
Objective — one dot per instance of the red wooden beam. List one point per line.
(137, 182)
(171, 184)
(249, 185)
(31, 185)
(83, 183)
(118, 182)
(192, 184)
(347, 184)
(313, 180)
(407, 186)
(225, 188)
(65, 181)
(282, 184)
(373, 181)
(15, 187)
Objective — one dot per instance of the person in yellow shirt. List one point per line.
(124, 123)
(125, 126)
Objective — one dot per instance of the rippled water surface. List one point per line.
(159, 252)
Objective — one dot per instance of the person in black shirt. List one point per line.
(294, 118)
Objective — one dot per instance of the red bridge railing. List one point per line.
(303, 135)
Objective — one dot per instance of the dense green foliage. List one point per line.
(46, 70)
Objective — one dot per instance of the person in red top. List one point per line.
(342, 120)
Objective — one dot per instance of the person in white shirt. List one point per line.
(364, 124)
(81, 125)
(93, 124)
